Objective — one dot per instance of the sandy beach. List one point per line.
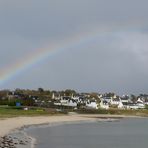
(9, 128)
(12, 135)
(10, 124)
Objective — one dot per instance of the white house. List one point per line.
(107, 99)
(136, 106)
(146, 102)
(104, 104)
(115, 101)
(124, 100)
(67, 101)
(132, 106)
(120, 105)
(140, 100)
(140, 105)
(92, 104)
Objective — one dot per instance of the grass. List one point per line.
(140, 112)
(7, 112)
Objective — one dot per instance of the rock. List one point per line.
(22, 142)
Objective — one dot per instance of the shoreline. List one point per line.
(9, 125)
(12, 134)
(13, 129)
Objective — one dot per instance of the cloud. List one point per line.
(112, 57)
(136, 43)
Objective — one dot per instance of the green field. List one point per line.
(7, 112)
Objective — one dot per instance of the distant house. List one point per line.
(66, 101)
(136, 106)
(140, 100)
(115, 101)
(107, 99)
(140, 105)
(124, 99)
(92, 104)
(104, 104)
(143, 99)
(55, 96)
(57, 102)
(146, 102)
(132, 106)
(120, 105)
(76, 98)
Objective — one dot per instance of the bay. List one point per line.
(125, 133)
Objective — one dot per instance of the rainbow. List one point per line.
(13, 70)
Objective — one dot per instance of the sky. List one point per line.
(86, 45)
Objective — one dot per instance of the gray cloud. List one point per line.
(115, 60)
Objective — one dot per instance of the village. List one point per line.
(71, 99)
(103, 101)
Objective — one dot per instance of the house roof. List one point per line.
(116, 99)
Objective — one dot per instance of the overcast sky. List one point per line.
(114, 59)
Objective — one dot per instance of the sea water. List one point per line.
(125, 133)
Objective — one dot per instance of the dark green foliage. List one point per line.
(146, 107)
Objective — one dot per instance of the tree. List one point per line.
(69, 92)
(133, 98)
(41, 90)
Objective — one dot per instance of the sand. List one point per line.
(12, 129)
(10, 124)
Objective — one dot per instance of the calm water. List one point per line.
(127, 133)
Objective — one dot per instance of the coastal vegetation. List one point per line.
(7, 112)
(143, 112)
(25, 102)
